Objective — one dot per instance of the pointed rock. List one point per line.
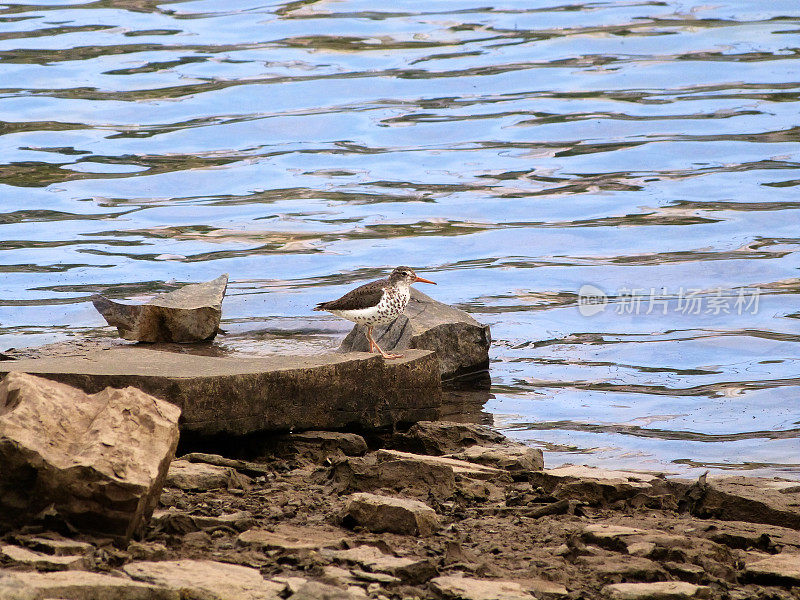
(189, 314)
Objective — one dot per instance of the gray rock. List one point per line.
(206, 579)
(659, 590)
(80, 585)
(239, 395)
(460, 342)
(98, 460)
(385, 513)
(596, 486)
(147, 551)
(444, 437)
(780, 569)
(189, 314)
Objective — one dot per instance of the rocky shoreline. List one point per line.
(439, 511)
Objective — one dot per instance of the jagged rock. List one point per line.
(242, 394)
(43, 562)
(80, 585)
(780, 569)
(660, 590)
(189, 314)
(206, 579)
(515, 458)
(468, 588)
(444, 437)
(385, 513)
(187, 475)
(460, 342)
(98, 460)
(290, 539)
(320, 445)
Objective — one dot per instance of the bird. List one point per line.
(376, 303)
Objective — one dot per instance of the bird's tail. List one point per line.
(320, 306)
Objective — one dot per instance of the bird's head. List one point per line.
(407, 275)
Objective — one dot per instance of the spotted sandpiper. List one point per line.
(376, 303)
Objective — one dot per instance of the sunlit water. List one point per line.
(512, 151)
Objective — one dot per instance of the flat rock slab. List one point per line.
(660, 590)
(780, 569)
(97, 460)
(454, 587)
(291, 539)
(189, 314)
(44, 562)
(240, 395)
(80, 585)
(460, 341)
(206, 579)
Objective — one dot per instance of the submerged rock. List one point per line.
(189, 314)
(460, 342)
(98, 461)
(244, 394)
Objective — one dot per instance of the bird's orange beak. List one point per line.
(424, 280)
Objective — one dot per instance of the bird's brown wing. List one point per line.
(363, 296)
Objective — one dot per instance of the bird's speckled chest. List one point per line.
(392, 304)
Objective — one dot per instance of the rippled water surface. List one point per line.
(516, 152)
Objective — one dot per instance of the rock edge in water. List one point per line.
(191, 313)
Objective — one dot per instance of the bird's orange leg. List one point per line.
(374, 344)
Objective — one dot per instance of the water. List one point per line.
(513, 152)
